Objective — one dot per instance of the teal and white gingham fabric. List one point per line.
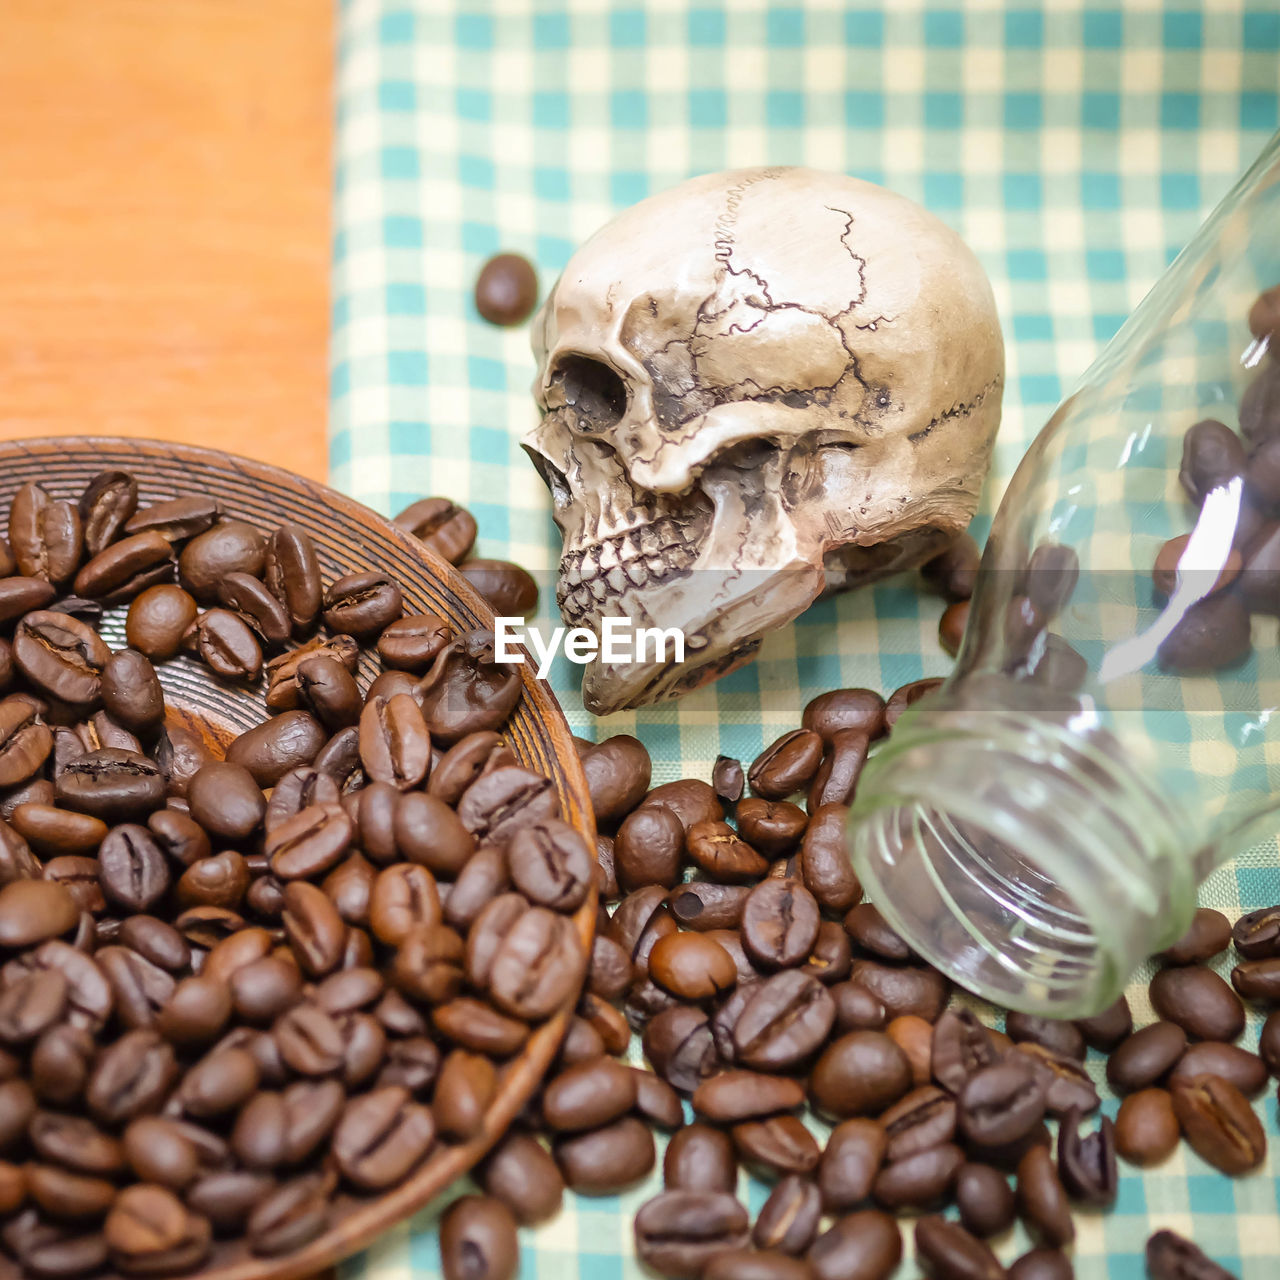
(1076, 146)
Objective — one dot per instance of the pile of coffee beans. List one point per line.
(1215, 632)
(234, 988)
(767, 992)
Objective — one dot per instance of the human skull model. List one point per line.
(757, 386)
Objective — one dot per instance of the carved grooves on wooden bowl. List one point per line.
(349, 537)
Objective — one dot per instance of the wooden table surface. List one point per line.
(164, 221)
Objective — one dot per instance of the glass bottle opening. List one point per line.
(1025, 860)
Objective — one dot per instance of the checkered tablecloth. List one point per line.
(1075, 146)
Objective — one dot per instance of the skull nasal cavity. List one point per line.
(593, 390)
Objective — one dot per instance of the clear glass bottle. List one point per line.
(1039, 824)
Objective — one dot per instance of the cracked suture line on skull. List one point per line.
(956, 411)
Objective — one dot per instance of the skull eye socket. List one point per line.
(593, 391)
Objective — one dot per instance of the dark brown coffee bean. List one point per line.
(738, 1095)
(648, 849)
(1212, 634)
(861, 1246)
(786, 765)
(713, 846)
(520, 1173)
(857, 710)
(1171, 1257)
(985, 1200)
(850, 1161)
(230, 547)
(700, 1158)
(132, 1076)
(132, 869)
(475, 1025)
(260, 608)
(1245, 1070)
(412, 642)
(381, 1136)
(607, 1160)
(837, 777)
(1212, 455)
(1257, 934)
(394, 744)
(291, 571)
(509, 590)
(924, 1118)
(25, 743)
(60, 1064)
(690, 799)
(702, 905)
(788, 1220)
(177, 518)
(32, 911)
(448, 529)
(1219, 1123)
(907, 696)
(226, 801)
(1042, 1264)
(1065, 1081)
(588, 1095)
(1147, 1129)
(1087, 1164)
(857, 1009)
(467, 689)
(1145, 1056)
(776, 1146)
(780, 920)
(727, 779)
(1198, 1001)
(679, 1043)
(869, 929)
(308, 844)
(784, 1020)
(948, 1252)
(282, 671)
(315, 930)
(751, 1264)
(904, 989)
(506, 293)
(861, 1073)
(61, 656)
(195, 1013)
(920, 1181)
(219, 1083)
(478, 1240)
(79, 876)
(31, 1004)
(1258, 979)
(158, 619)
(289, 1217)
(1042, 1201)
(279, 745)
(537, 965)
(225, 643)
(1105, 1030)
(109, 499)
(678, 1232)
(362, 604)
(770, 826)
(55, 832)
(824, 860)
(45, 535)
(1062, 1037)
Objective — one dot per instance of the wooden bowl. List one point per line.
(349, 537)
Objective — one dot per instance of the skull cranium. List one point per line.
(757, 386)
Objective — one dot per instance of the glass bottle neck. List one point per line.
(1020, 850)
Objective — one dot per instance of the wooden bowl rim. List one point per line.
(361, 1225)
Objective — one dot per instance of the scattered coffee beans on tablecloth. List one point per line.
(231, 988)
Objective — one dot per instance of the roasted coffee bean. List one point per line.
(158, 619)
(122, 570)
(291, 572)
(780, 920)
(520, 1173)
(536, 966)
(297, 790)
(1171, 1257)
(788, 1220)
(1207, 935)
(776, 1146)
(1198, 1001)
(1041, 1264)
(914, 1036)
(588, 1095)
(869, 929)
(131, 691)
(1064, 1038)
(1241, 1068)
(1257, 934)
(1219, 1123)
(861, 1073)
(79, 876)
(226, 801)
(45, 535)
(230, 547)
(330, 691)
(849, 1163)
(448, 529)
(785, 1020)
(308, 844)
(824, 861)
(751, 1264)
(32, 911)
(907, 696)
(1087, 1164)
(315, 930)
(478, 1240)
(467, 689)
(551, 865)
(395, 746)
(924, 1118)
(857, 1009)
(727, 779)
(260, 608)
(464, 762)
(1065, 1081)
(196, 1012)
(411, 643)
(715, 847)
(656, 1101)
(860, 1246)
(282, 671)
(985, 1200)
(1258, 979)
(177, 518)
(132, 869)
(738, 1095)
(1042, 1201)
(679, 1232)
(180, 755)
(61, 656)
(700, 1158)
(108, 500)
(60, 1063)
(506, 292)
(219, 1083)
(690, 799)
(607, 1160)
(55, 832)
(25, 743)
(227, 646)
(770, 826)
(362, 604)
(476, 1025)
(1212, 455)
(702, 904)
(1145, 1056)
(1212, 634)
(289, 1217)
(381, 1136)
(648, 849)
(1146, 1129)
(157, 941)
(947, 1251)
(831, 959)
(1105, 1030)
(691, 966)
(786, 765)
(158, 1151)
(31, 1004)
(837, 777)
(509, 590)
(429, 963)
(920, 1181)
(904, 989)
(131, 1076)
(281, 744)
